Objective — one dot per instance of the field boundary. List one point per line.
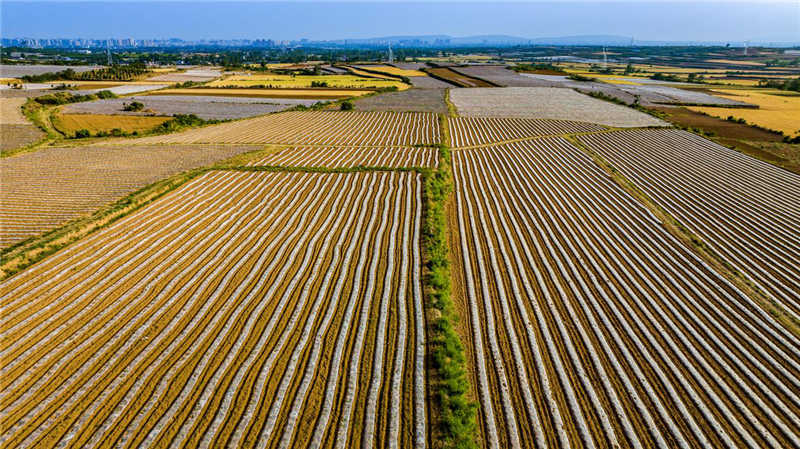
(453, 414)
(691, 240)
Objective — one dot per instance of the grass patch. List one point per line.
(69, 124)
(455, 418)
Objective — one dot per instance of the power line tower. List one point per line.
(391, 54)
(746, 44)
(108, 51)
(605, 58)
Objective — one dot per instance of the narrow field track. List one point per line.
(243, 309)
(470, 131)
(317, 128)
(49, 187)
(746, 209)
(348, 157)
(591, 326)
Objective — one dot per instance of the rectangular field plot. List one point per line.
(468, 131)
(591, 326)
(746, 209)
(339, 157)
(547, 103)
(243, 310)
(49, 187)
(318, 128)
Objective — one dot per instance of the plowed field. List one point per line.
(747, 210)
(467, 131)
(317, 128)
(49, 187)
(590, 326)
(338, 157)
(243, 309)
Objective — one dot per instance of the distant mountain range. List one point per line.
(501, 39)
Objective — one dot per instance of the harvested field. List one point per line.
(132, 88)
(777, 109)
(338, 157)
(591, 326)
(305, 81)
(49, 187)
(745, 209)
(456, 78)
(17, 71)
(195, 75)
(259, 309)
(391, 70)
(317, 128)
(13, 137)
(11, 111)
(94, 123)
(549, 103)
(317, 94)
(467, 131)
(499, 75)
(412, 100)
(202, 106)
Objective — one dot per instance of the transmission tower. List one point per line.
(746, 44)
(605, 58)
(108, 51)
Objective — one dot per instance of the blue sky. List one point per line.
(645, 20)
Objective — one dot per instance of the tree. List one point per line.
(346, 106)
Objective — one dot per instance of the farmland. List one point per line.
(206, 107)
(247, 320)
(312, 94)
(49, 187)
(458, 79)
(15, 130)
(590, 325)
(719, 194)
(411, 100)
(468, 131)
(302, 81)
(348, 157)
(318, 128)
(94, 123)
(546, 102)
(777, 110)
(516, 266)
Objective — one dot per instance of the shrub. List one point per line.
(82, 134)
(346, 106)
(105, 94)
(134, 106)
(581, 78)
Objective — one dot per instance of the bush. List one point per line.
(133, 107)
(346, 106)
(82, 134)
(106, 94)
(581, 78)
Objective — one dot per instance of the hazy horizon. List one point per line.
(660, 21)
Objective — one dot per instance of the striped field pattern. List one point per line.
(317, 128)
(49, 187)
(470, 131)
(591, 326)
(348, 157)
(746, 209)
(244, 308)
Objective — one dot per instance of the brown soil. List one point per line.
(726, 129)
(755, 142)
(457, 78)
